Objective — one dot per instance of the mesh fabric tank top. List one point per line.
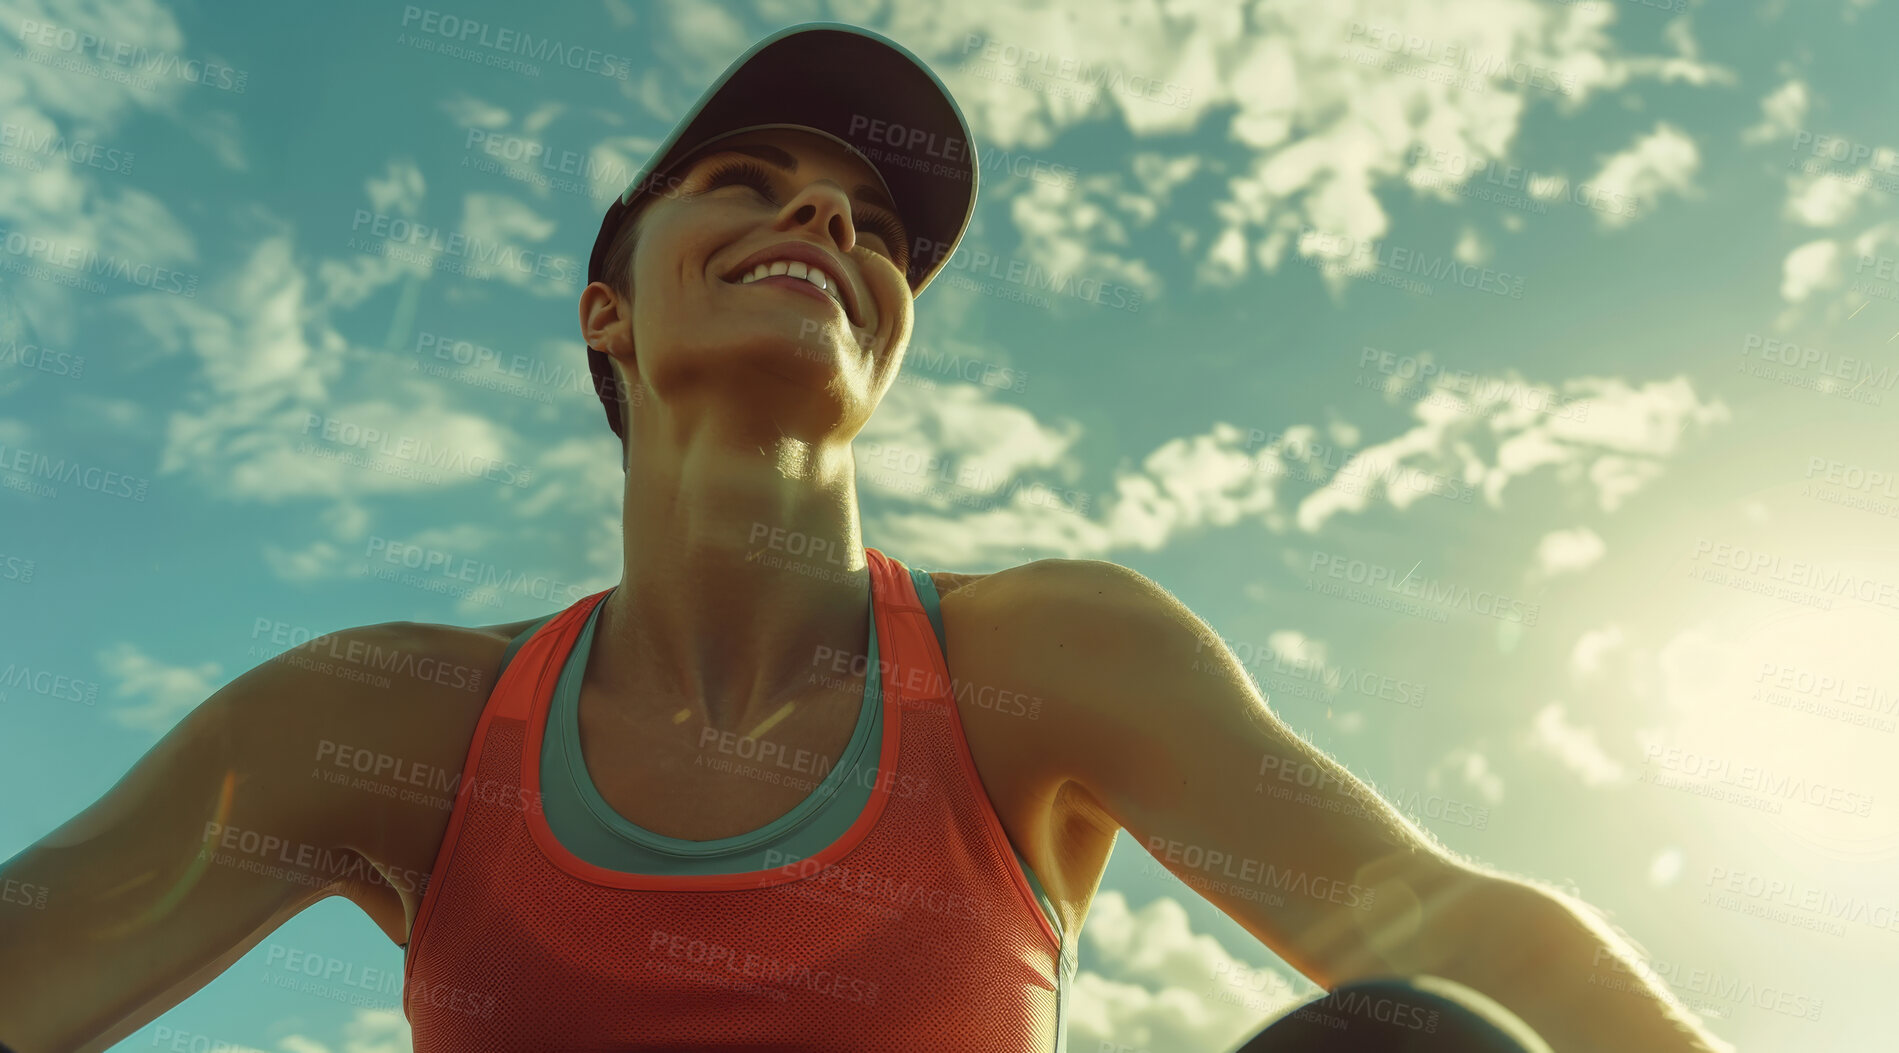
(911, 923)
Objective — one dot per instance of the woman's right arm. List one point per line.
(214, 838)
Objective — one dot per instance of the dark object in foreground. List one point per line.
(1422, 1014)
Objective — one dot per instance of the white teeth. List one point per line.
(795, 269)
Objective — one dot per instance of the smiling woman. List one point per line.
(776, 789)
(800, 186)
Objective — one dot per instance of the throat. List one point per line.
(646, 676)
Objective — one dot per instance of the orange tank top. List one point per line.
(916, 929)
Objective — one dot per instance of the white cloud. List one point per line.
(1472, 248)
(156, 695)
(1781, 113)
(1607, 433)
(367, 1031)
(1472, 768)
(954, 441)
(1815, 265)
(1586, 658)
(1575, 747)
(1297, 648)
(1212, 479)
(704, 35)
(1597, 428)
(1663, 160)
(1081, 232)
(313, 562)
(1665, 868)
(100, 99)
(1149, 981)
(516, 234)
(108, 410)
(1567, 552)
(219, 132)
(1303, 87)
(1825, 198)
(15, 432)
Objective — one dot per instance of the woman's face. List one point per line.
(700, 325)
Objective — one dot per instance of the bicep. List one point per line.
(213, 839)
(1162, 726)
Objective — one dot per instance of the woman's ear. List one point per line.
(606, 320)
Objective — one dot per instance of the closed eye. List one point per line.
(746, 173)
(885, 226)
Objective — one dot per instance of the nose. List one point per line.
(822, 208)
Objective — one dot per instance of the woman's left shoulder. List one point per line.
(1042, 576)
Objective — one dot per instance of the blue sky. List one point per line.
(1538, 358)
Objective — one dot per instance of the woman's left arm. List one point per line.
(1147, 711)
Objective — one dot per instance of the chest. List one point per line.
(660, 769)
(666, 771)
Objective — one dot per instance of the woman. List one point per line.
(647, 835)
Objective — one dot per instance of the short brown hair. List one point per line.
(617, 271)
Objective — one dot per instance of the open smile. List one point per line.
(803, 268)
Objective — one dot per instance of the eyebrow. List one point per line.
(777, 157)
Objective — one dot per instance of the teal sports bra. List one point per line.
(582, 821)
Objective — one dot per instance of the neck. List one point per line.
(744, 560)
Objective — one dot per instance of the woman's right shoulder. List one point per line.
(405, 699)
(429, 671)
